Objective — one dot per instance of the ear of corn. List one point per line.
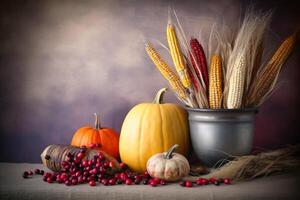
(215, 83)
(265, 81)
(177, 56)
(236, 84)
(198, 59)
(166, 71)
(195, 84)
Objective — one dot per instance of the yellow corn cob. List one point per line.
(236, 84)
(177, 56)
(215, 82)
(166, 71)
(267, 78)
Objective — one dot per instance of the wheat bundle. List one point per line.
(245, 168)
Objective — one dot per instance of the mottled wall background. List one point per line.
(61, 61)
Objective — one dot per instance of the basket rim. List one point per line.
(254, 109)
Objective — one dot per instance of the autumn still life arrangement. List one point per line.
(227, 72)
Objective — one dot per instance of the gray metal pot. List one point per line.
(218, 134)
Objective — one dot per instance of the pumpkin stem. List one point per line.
(159, 96)
(97, 121)
(171, 151)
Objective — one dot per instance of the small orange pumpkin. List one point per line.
(107, 138)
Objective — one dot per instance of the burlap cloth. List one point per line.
(13, 186)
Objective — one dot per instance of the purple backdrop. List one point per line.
(61, 61)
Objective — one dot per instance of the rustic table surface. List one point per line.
(13, 186)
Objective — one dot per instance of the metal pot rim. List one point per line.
(254, 109)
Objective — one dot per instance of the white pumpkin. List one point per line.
(168, 165)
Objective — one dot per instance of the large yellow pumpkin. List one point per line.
(151, 128)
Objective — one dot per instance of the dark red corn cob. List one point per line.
(200, 59)
(195, 84)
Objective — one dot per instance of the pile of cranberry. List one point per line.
(99, 170)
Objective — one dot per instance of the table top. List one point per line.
(14, 186)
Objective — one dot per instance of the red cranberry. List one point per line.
(112, 181)
(92, 146)
(188, 184)
(104, 181)
(25, 174)
(163, 182)
(85, 163)
(216, 182)
(67, 167)
(123, 165)
(80, 179)
(226, 181)
(100, 155)
(101, 169)
(98, 165)
(63, 163)
(157, 180)
(64, 176)
(68, 183)
(77, 161)
(98, 145)
(30, 173)
(85, 173)
(78, 173)
(42, 172)
(123, 176)
(50, 180)
(202, 181)
(37, 171)
(212, 180)
(128, 181)
(70, 155)
(182, 183)
(93, 171)
(153, 183)
(146, 175)
(111, 164)
(199, 182)
(74, 181)
(106, 164)
(45, 178)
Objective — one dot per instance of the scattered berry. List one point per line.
(226, 181)
(50, 180)
(37, 171)
(25, 174)
(163, 182)
(92, 183)
(128, 181)
(182, 183)
(123, 165)
(216, 182)
(188, 184)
